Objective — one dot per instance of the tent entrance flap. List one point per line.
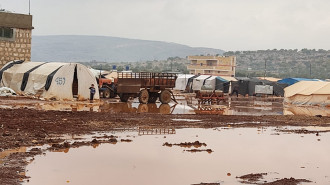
(75, 83)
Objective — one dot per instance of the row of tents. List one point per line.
(69, 81)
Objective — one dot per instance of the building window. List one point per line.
(7, 33)
(201, 64)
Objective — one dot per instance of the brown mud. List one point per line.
(195, 144)
(31, 128)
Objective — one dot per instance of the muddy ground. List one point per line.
(27, 127)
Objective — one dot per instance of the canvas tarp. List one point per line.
(291, 81)
(211, 82)
(181, 81)
(199, 82)
(308, 93)
(50, 80)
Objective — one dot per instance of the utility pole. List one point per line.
(265, 69)
(310, 69)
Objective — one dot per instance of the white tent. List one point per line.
(308, 93)
(60, 81)
(210, 82)
(199, 82)
(181, 81)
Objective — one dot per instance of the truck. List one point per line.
(107, 87)
(147, 86)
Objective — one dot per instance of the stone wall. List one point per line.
(19, 48)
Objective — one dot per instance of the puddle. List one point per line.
(247, 106)
(187, 120)
(146, 161)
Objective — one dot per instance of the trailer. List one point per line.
(148, 87)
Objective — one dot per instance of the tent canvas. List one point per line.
(291, 81)
(60, 81)
(199, 82)
(181, 81)
(211, 82)
(308, 93)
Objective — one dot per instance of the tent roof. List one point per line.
(291, 81)
(185, 76)
(272, 79)
(202, 77)
(308, 88)
(227, 78)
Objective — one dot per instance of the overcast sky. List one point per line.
(221, 24)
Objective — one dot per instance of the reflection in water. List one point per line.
(141, 108)
(247, 106)
(307, 111)
(146, 161)
(155, 131)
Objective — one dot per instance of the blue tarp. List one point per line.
(291, 81)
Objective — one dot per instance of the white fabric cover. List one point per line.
(61, 86)
(198, 82)
(211, 82)
(181, 81)
(308, 93)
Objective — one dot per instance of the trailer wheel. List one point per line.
(165, 109)
(143, 108)
(153, 97)
(165, 96)
(144, 96)
(124, 97)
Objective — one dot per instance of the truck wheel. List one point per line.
(153, 97)
(165, 96)
(112, 94)
(106, 93)
(144, 96)
(124, 97)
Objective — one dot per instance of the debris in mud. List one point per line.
(113, 140)
(303, 131)
(286, 181)
(195, 144)
(105, 137)
(200, 150)
(60, 146)
(126, 140)
(207, 184)
(251, 178)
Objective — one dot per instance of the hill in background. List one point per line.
(77, 48)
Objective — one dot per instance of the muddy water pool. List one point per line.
(146, 161)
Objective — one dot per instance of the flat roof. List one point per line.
(14, 20)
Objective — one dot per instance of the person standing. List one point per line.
(92, 93)
(235, 91)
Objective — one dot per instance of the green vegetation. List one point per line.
(172, 64)
(282, 63)
(306, 63)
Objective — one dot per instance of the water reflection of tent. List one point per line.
(54, 80)
(308, 111)
(308, 93)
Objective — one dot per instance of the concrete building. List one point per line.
(15, 37)
(212, 65)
